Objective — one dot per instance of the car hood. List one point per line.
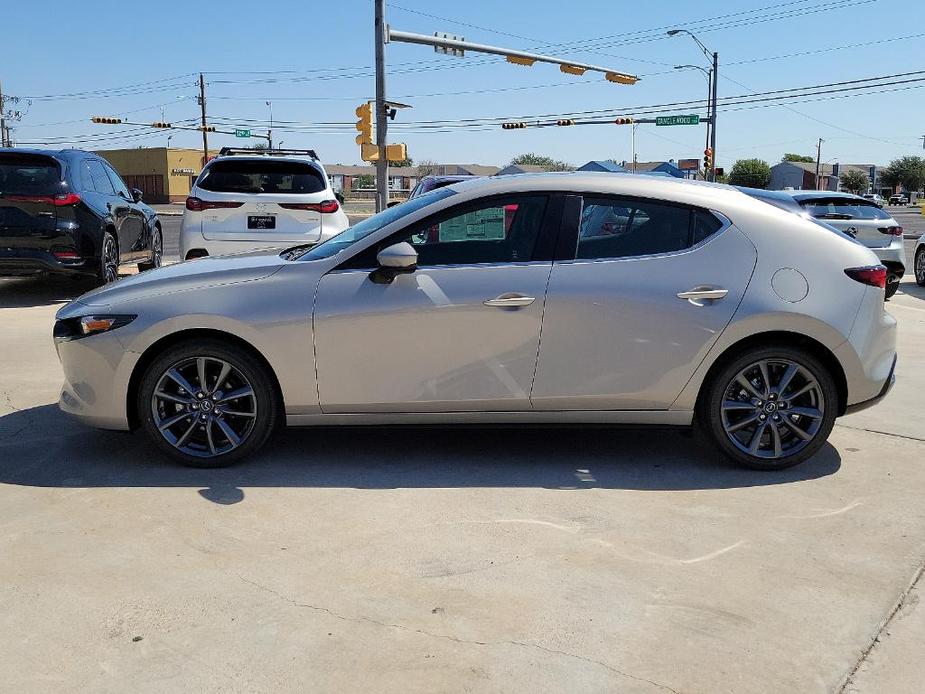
(192, 274)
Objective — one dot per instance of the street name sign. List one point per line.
(692, 119)
(242, 133)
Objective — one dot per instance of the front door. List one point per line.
(651, 287)
(459, 333)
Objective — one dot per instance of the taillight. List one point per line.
(66, 199)
(66, 255)
(892, 231)
(198, 205)
(874, 275)
(59, 200)
(324, 207)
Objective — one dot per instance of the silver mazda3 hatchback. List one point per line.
(552, 299)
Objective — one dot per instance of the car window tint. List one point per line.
(117, 182)
(612, 228)
(704, 225)
(843, 208)
(27, 174)
(101, 182)
(258, 176)
(503, 230)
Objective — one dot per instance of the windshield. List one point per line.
(843, 208)
(360, 231)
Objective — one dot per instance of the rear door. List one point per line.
(859, 218)
(279, 200)
(28, 186)
(628, 319)
(133, 237)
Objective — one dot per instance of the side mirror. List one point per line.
(393, 203)
(137, 195)
(400, 257)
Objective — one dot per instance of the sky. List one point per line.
(313, 60)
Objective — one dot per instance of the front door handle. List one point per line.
(698, 295)
(510, 300)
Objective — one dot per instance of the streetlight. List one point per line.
(709, 76)
(715, 59)
(169, 138)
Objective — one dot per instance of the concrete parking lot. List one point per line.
(410, 560)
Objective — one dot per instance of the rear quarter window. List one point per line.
(249, 176)
(23, 174)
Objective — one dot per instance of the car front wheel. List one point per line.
(920, 267)
(207, 404)
(770, 408)
(157, 251)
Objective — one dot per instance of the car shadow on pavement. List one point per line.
(41, 447)
(41, 291)
(910, 288)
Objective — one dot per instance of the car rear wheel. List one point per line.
(109, 259)
(920, 267)
(157, 251)
(770, 408)
(207, 404)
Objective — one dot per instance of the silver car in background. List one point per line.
(658, 301)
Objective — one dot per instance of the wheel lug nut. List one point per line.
(200, 395)
(762, 417)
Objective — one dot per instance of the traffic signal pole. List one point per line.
(202, 104)
(382, 121)
(713, 119)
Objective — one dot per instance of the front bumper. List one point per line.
(97, 369)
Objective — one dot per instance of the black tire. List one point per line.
(207, 448)
(727, 403)
(157, 251)
(919, 265)
(892, 284)
(109, 259)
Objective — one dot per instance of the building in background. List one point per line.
(802, 176)
(162, 174)
(605, 166)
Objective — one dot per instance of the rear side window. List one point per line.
(29, 175)
(250, 176)
(99, 178)
(621, 228)
(843, 208)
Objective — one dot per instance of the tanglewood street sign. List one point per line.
(692, 119)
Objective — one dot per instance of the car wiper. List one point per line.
(833, 215)
(293, 252)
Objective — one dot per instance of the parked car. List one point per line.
(875, 198)
(686, 303)
(899, 199)
(919, 261)
(67, 212)
(864, 220)
(429, 183)
(247, 200)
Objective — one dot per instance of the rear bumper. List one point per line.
(23, 262)
(887, 387)
(893, 256)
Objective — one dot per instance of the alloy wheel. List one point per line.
(110, 259)
(773, 408)
(920, 267)
(204, 406)
(157, 245)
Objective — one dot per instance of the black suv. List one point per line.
(68, 212)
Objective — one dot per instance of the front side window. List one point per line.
(503, 230)
(117, 183)
(621, 228)
(260, 176)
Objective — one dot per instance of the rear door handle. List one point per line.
(510, 300)
(698, 295)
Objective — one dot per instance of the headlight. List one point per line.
(75, 328)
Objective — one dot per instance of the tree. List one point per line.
(753, 173)
(427, 167)
(363, 181)
(402, 163)
(908, 172)
(547, 163)
(805, 158)
(854, 181)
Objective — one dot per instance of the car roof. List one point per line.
(67, 152)
(450, 177)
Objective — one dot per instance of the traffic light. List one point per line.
(624, 121)
(707, 159)
(719, 171)
(365, 124)
(565, 121)
(204, 128)
(106, 119)
(161, 124)
(513, 126)
(620, 78)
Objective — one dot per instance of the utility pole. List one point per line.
(634, 146)
(4, 137)
(818, 159)
(270, 130)
(382, 162)
(202, 104)
(713, 121)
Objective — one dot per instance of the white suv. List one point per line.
(246, 200)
